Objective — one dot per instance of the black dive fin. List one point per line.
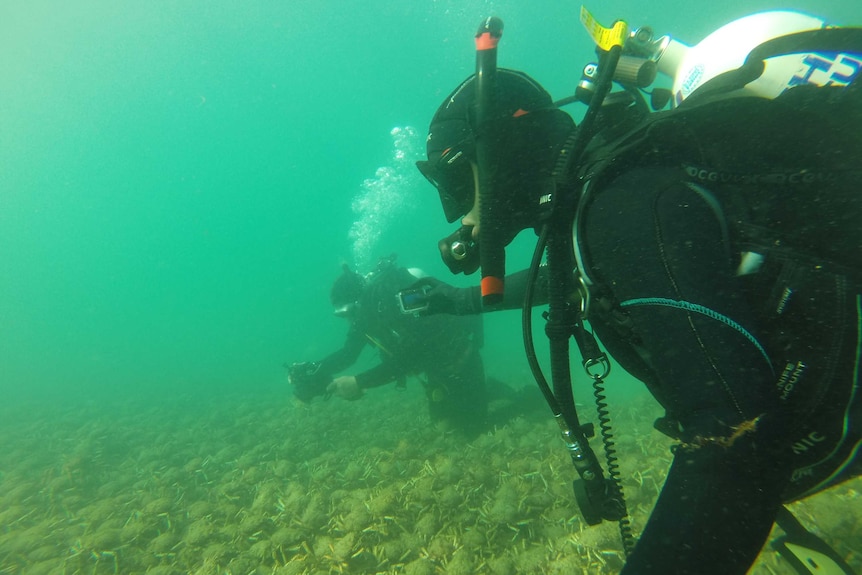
(805, 551)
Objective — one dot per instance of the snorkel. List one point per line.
(492, 250)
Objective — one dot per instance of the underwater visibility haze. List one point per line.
(180, 184)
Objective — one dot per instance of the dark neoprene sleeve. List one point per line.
(468, 301)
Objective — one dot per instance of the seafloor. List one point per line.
(254, 483)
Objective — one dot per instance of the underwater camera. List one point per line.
(307, 379)
(414, 300)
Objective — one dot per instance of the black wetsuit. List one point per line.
(726, 246)
(755, 359)
(445, 349)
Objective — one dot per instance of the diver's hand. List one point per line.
(345, 387)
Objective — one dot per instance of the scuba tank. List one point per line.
(727, 48)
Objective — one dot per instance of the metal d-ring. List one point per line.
(603, 362)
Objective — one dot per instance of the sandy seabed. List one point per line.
(256, 483)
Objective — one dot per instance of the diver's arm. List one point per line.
(444, 298)
(386, 372)
(516, 288)
(346, 356)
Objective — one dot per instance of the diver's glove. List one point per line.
(345, 387)
(443, 298)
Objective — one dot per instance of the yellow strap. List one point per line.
(605, 38)
(376, 343)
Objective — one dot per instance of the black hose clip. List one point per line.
(599, 499)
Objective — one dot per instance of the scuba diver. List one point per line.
(711, 239)
(443, 351)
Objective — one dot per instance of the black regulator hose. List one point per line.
(527, 325)
(596, 496)
(581, 136)
(492, 253)
(591, 489)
